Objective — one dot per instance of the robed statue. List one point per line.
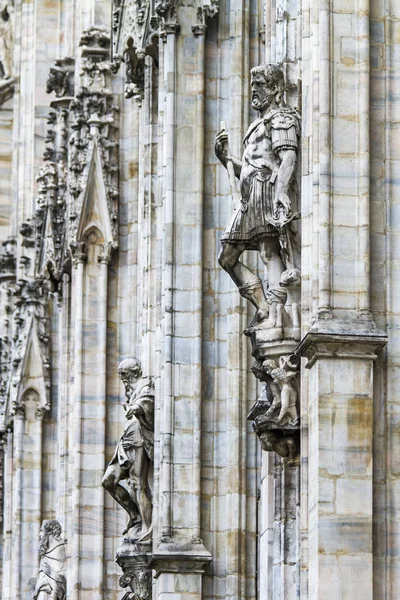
(51, 583)
(133, 460)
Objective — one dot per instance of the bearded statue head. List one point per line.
(130, 371)
(267, 85)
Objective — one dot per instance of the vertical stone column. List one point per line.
(78, 275)
(340, 464)
(7, 516)
(18, 439)
(63, 404)
(101, 392)
(180, 559)
(31, 488)
(341, 339)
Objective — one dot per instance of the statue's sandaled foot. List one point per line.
(145, 536)
(260, 316)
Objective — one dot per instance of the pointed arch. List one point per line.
(94, 211)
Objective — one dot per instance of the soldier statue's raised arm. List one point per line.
(268, 191)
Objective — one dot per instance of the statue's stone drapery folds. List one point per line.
(51, 583)
(133, 458)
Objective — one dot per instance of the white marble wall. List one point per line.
(269, 532)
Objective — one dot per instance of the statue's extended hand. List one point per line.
(221, 146)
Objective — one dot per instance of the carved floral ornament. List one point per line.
(138, 24)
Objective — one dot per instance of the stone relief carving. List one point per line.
(6, 38)
(133, 459)
(137, 574)
(61, 78)
(265, 206)
(81, 147)
(135, 30)
(137, 27)
(51, 583)
(8, 265)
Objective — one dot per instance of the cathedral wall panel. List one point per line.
(139, 277)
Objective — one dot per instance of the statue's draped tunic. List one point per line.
(50, 580)
(257, 217)
(138, 432)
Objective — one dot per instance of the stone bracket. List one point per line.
(327, 344)
(134, 562)
(175, 558)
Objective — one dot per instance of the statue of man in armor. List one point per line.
(51, 583)
(134, 456)
(268, 197)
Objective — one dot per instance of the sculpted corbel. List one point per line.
(276, 415)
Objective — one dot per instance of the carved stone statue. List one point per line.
(6, 38)
(51, 583)
(278, 401)
(133, 458)
(268, 198)
(284, 388)
(276, 441)
(275, 415)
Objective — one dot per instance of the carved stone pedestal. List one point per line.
(134, 560)
(178, 568)
(276, 420)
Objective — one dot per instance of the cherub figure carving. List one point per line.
(268, 197)
(278, 401)
(284, 388)
(51, 583)
(133, 458)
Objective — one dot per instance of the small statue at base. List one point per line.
(133, 458)
(51, 583)
(279, 398)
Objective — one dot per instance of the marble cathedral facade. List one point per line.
(199, 319)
